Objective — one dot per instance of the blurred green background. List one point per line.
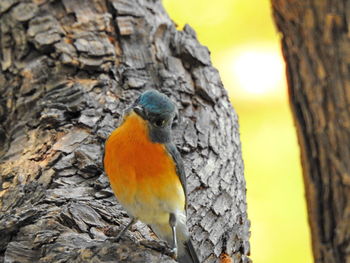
(245, 49)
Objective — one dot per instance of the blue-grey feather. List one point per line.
(156, 102)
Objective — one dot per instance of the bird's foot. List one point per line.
(159, 245)
(173, 252)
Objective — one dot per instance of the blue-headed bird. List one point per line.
(147, 174)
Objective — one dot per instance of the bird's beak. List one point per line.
(139, 111)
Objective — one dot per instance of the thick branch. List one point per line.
(69, 69)
(316, 47)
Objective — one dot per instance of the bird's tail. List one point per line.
(187, 254)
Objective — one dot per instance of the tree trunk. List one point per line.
(316, 47)
(68, 70)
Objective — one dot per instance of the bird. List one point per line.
(147, 174)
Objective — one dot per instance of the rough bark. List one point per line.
(68, 69)
(316, 47)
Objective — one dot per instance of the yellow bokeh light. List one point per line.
(253, 70)
(257, 71)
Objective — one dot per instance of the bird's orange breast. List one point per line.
(142, 173)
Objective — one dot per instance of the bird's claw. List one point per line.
(173, 252)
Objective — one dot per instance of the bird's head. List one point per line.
(158, 111)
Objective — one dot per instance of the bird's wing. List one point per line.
(180, 168)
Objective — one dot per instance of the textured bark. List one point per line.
(316, 47)
(68, 69)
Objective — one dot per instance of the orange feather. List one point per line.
(142, 173)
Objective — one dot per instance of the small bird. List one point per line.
(147, 174)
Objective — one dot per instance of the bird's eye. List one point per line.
(159, 123)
